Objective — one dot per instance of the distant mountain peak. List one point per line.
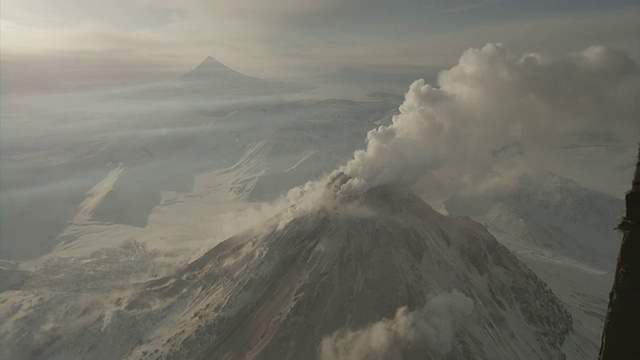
(212, 76)
(211, 69)
(210, 62)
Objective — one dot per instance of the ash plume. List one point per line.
(480, 127)
(462, 132)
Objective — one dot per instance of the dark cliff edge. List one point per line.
(622, 325)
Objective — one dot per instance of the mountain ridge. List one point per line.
(553, 212)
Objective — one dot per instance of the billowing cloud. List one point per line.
(479, 128)
(474, 130)
(435, 324)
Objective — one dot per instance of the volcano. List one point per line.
(213, 77)
(380, 276)
(211, 70)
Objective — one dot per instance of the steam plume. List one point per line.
(434, 324)
(477, 128)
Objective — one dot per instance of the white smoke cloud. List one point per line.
(478, 130)
(491, 101)
(434, 324)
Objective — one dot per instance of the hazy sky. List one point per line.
(97, 41)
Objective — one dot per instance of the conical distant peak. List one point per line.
(210, 62)
(213, 71)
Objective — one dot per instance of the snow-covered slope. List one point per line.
(96, 196)
(290, 144)
(64, 294)
(163, 148)
(565, 234)
(554, 214)
(11, 276)
(385, 260)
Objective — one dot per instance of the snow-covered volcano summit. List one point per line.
(385, 277)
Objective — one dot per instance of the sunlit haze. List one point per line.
(66, 41)
(329, 180)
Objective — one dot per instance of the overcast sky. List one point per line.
(97, 41)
